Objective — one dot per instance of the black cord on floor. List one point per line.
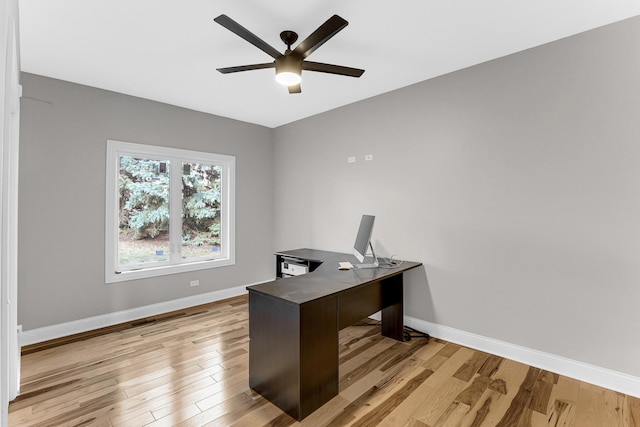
(407, 332)
(412, 333)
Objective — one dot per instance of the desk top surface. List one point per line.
(326, 279)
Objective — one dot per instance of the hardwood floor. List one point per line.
(190, 369)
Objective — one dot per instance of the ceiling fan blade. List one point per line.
(332, 69)
(324, 32)
(238, 29)
(295, 89)
(228, 70)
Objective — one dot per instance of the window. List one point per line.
(168, 211)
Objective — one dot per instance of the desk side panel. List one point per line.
(274, 348)
(319, 376)
(392, 307)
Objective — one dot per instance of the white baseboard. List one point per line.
(602, 377)
(46, 333)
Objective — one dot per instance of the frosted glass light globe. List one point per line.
(288, 78)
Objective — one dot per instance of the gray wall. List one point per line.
(62, 202)
(516, 183)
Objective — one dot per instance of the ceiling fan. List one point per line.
(289, 65)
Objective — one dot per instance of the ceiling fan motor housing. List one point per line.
(289, 63)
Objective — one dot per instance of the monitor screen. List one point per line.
(363, 237)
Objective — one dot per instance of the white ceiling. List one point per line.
(168, 50)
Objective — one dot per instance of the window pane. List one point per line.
(143, 235)
(200, 210)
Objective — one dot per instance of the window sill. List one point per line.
(125, 276)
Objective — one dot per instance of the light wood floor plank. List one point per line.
(190, 368)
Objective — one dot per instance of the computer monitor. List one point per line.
(363, 242)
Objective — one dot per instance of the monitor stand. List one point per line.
(375, 263)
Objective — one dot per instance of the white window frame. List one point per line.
(116, 149)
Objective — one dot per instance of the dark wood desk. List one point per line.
(294, 324)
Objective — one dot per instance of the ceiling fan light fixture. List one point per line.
(288, 70)
(288, 78)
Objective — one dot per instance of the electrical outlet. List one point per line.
(351, 159)
(368, 157)
(194, 283)
(19, 329)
